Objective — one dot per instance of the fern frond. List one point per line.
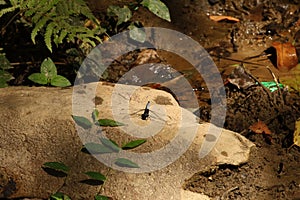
(85, 10)
(88, 41)
(7, 10)
(42, 22)
(49, 30)
(62, 36)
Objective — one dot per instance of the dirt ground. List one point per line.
(273, 170)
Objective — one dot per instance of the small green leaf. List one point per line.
(123, 162)
(95, 115)
(137, 33)
(59, 196)
(109, 122)
(38, 78)
(123, 14)
(57, 166)
(101, 197)
(96, 176)
(158, 8)
(60, 81)
(48, 68)
(108, 143)
(95, 148)
(82, 121)
(133, 144)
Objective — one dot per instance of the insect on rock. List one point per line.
(145, 115)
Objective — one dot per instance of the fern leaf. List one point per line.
(47, 37)
(85, 10)
(42, 22)
(62, 7)
(62, 35)
(88, 41)
(7, 10)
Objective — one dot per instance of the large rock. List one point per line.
(36, 127)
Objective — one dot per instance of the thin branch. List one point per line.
(31, 63)
(3, 28)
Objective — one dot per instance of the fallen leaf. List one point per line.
(260, 128)
(223, 17)
(297, 133)
(147, 56)
(286, 55)
(240, 78)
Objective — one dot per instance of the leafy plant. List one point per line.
(58, 20)
(124, 14)
(106, 146)
(49, 75)
(4, 75)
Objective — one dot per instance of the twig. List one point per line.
(277, 84)
(102, 186)
(256, 56)
(11, 19)
(256, 80)
(236, 60)
(31, 63)
(228, 191)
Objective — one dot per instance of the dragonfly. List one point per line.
(146, 111)
(145, 115)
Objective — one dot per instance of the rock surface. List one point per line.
(36, 127)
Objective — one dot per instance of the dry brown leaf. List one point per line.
(217, 18)
(297, 133)
(260, 128)
(286, 56)
(147, 56)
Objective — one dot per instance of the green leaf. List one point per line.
(293, 81)
(96, 176)
(123, 162)
(48, 68)
(60, 81)
(60, 196)
(108, 143)
(133, 144)
(38, 78)
(57, 166)
(158, 8)
(109, 122)
(137, 33)
(123, 14)
(101, 197)
(95, 148)
(82, 121)
(95, 115)
(4, 78)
